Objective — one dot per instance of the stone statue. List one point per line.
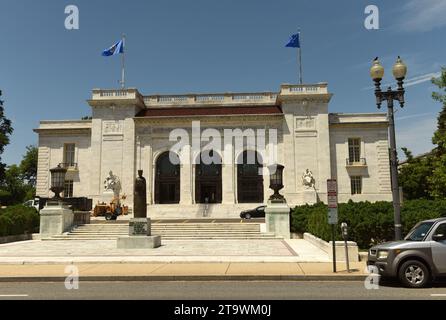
(112, 183)
(308, 179)
(140, 197)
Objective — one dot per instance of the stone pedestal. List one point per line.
(140, 236)
(55, 218)
(277, 218)
(309, 196)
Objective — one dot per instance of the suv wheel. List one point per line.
(248, 216)
(414, 274)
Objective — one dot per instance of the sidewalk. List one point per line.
(185, 272)
(100, 260)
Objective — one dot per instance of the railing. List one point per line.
(107, 94)
(218, 98)
(69, 165)
(355, 162)
(320, 88)
(212, 98)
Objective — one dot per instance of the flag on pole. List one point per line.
(117, 48)
(294, 41)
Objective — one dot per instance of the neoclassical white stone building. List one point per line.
(129, 131)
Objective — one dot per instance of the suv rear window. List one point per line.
(419, 231)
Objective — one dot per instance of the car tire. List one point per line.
(248, 216)
(414, 274)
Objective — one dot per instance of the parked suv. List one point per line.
(416, 260)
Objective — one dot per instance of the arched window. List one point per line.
(249, 178)
(208, 180)
(167, 178)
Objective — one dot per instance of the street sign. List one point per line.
(332, 186)
(332, 215)
(332, 201)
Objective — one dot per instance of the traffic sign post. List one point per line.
(332, 201)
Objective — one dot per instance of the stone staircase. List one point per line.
(171, 231)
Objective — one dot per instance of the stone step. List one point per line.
(170, 238)
(170, 231)
(190, 225)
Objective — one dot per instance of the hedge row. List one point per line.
(369, 223)
(17, 220)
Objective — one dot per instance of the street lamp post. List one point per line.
(399, 72)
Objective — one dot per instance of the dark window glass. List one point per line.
(419, 231)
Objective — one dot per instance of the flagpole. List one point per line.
(123, 63)
(299, 52)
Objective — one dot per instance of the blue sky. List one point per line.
(178, 46)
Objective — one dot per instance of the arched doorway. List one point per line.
(249, 178)
(167, 179)
(208, 183)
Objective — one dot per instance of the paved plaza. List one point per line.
(98, 251)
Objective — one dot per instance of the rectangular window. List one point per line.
(356, 184)
(354, 150)
(68, 189)
(69, 152)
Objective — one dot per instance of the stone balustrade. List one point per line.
(209, 99)
(319, 88)
(212, 98)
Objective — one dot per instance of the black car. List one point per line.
(258, 212)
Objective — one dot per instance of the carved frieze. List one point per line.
(112, 127)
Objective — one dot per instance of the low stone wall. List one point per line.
(15, 238)
(353, 252)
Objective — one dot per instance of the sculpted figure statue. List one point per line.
(112, 183)
(308, 179)
(140, 197)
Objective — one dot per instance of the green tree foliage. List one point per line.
(438, 177)
(13, 190)
(369, 223)
(414, 176)
(5, 132)
(425, 177)
(28, 165)
(19, 182)
(16, 220)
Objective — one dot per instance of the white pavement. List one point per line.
(105, 251)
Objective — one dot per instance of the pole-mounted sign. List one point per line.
(332, 201)
(332, 195)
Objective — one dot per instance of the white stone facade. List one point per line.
(129, 131)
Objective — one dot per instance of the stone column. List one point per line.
(228, 175)
(129, 158)
(186, 176)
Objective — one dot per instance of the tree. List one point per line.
(28, 165)
(13, 190)
(414, 176)
(438, 177)
(5, 131)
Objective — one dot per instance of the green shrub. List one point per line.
(369, 223)
(18, 220)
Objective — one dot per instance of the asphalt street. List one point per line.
(222, 290)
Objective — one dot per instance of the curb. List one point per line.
(193, 278)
